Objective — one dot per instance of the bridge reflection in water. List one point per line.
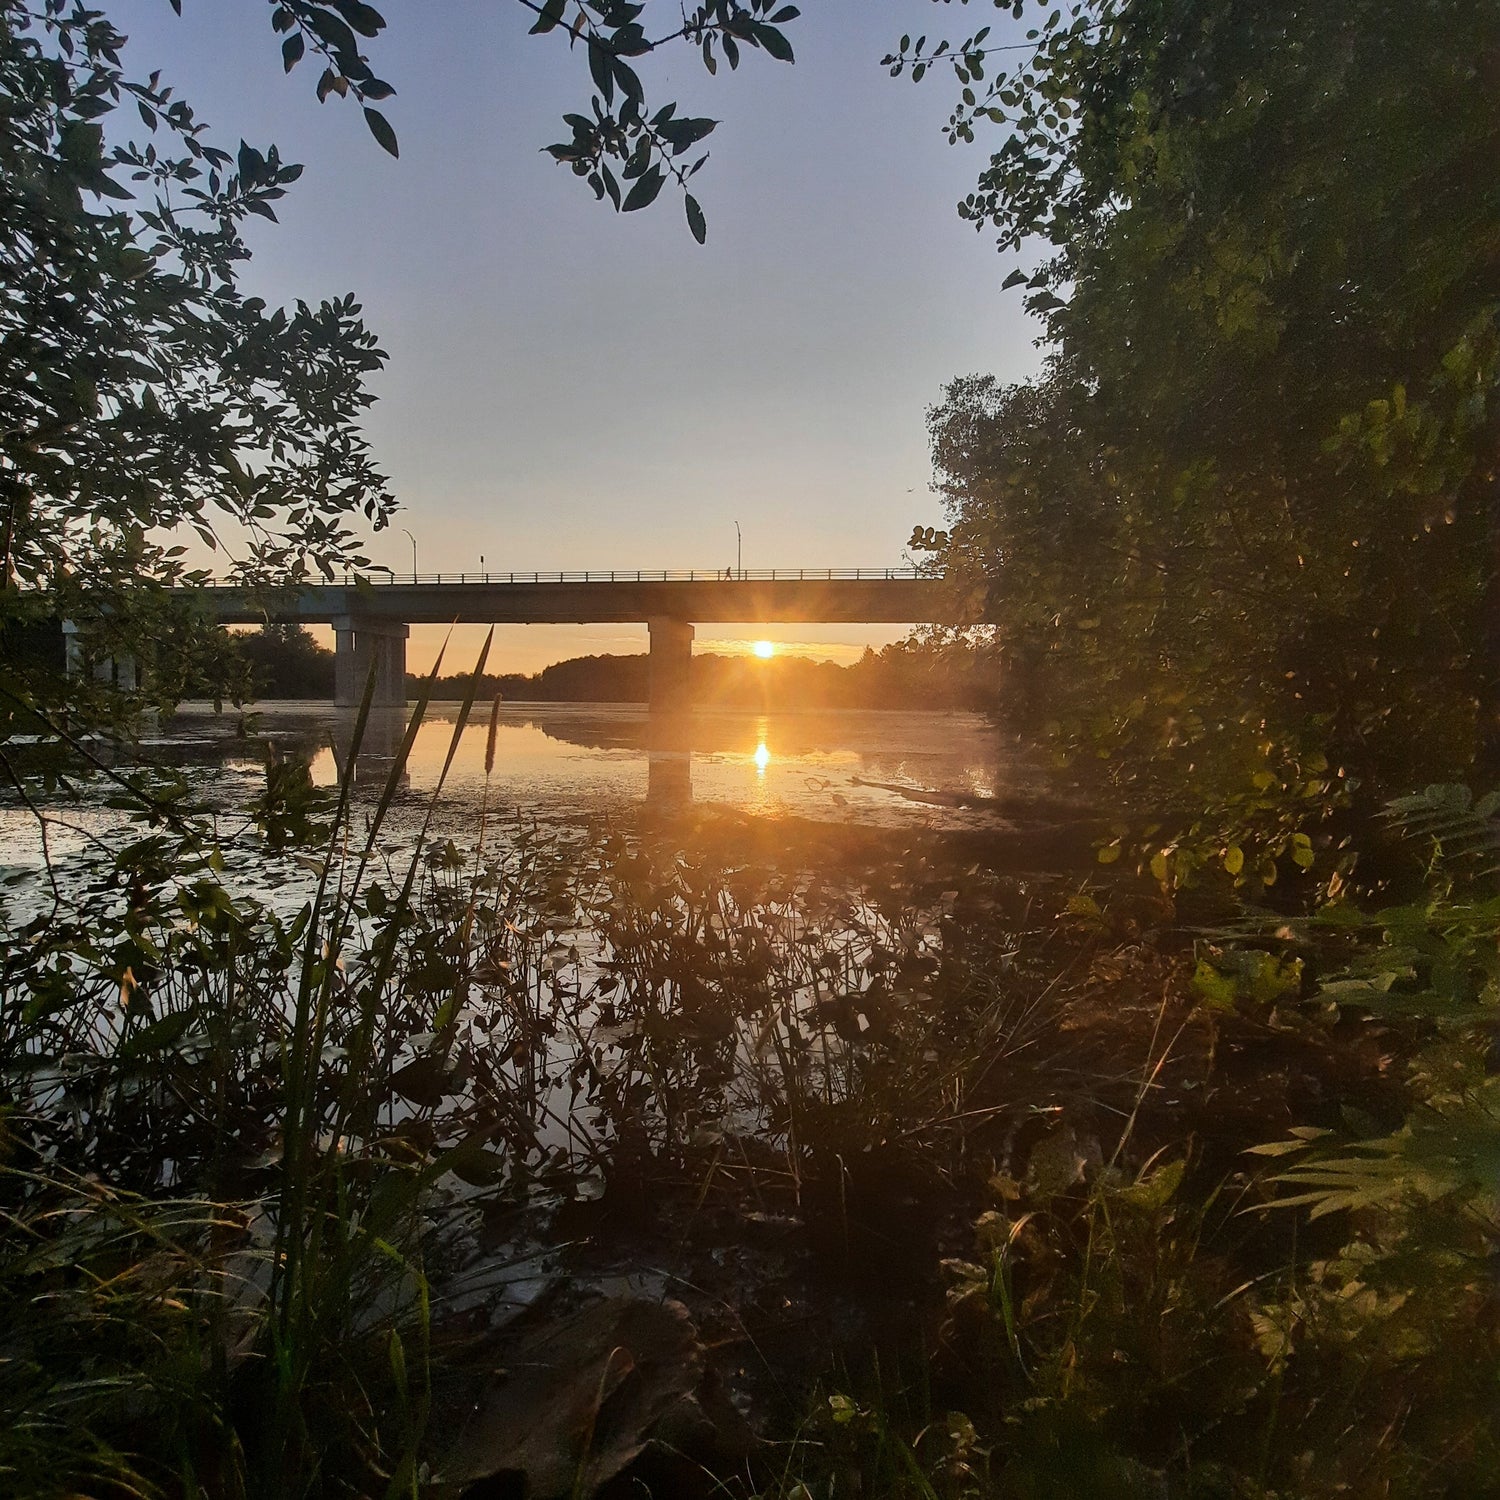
(667, 740)
(669, 761)
(379, 746)
(573, 759)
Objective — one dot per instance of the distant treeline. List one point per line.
(286, 662)
(909, 674)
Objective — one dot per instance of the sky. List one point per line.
(570, 388)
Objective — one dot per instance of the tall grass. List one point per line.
(166, 1033)
(241, 1133)
(245, 1151)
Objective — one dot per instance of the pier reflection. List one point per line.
(379, 745)
(328, 744)
(668, 742)
(566, 763)
(566, 760)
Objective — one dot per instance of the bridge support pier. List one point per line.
(671, 664)
(72, 650)
(118, 671)
(361, 643)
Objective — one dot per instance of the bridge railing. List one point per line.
(386, 577)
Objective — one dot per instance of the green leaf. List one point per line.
(157, 1037)
(339, 37)
(774, 43)
(380, 128)
(365, 19)
(696, 222)
(603, 73)
(291, 51)
(1153, 1192)
(552, 14)
(473, 1163)
(1216, 990)
(643, 194)
(630, 83)
(251, 165)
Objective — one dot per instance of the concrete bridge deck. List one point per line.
(371, 616)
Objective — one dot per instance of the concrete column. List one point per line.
(390, 668)
(72, 650)
(347, 685)
(362, 646)
(116, 671)
(671, 664)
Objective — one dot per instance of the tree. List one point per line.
(140, 392)
(286, 662)
(1269, 431)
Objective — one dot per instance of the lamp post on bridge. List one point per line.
(413, 541)
(739, 553)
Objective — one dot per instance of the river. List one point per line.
(567, 763)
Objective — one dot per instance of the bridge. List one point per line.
(371, 619)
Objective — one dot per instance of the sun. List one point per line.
(764, 649)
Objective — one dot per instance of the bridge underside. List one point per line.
(371, 621)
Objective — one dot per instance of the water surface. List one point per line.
(562, 763)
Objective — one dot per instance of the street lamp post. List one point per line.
(413, 541)
(739, 552)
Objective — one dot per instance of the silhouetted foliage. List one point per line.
(625, 151)
(286, 662)
(140, 391)
(1240, 537)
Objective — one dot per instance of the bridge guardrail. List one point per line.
(386, 577)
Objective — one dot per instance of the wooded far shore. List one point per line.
(287, 662)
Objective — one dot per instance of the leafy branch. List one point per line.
(624, 152)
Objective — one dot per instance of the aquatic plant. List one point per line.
(277, 1157)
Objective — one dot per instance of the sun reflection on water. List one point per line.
(565, 760)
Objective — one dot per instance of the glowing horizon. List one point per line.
(531, 648)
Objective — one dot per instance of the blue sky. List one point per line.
(569, 388)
